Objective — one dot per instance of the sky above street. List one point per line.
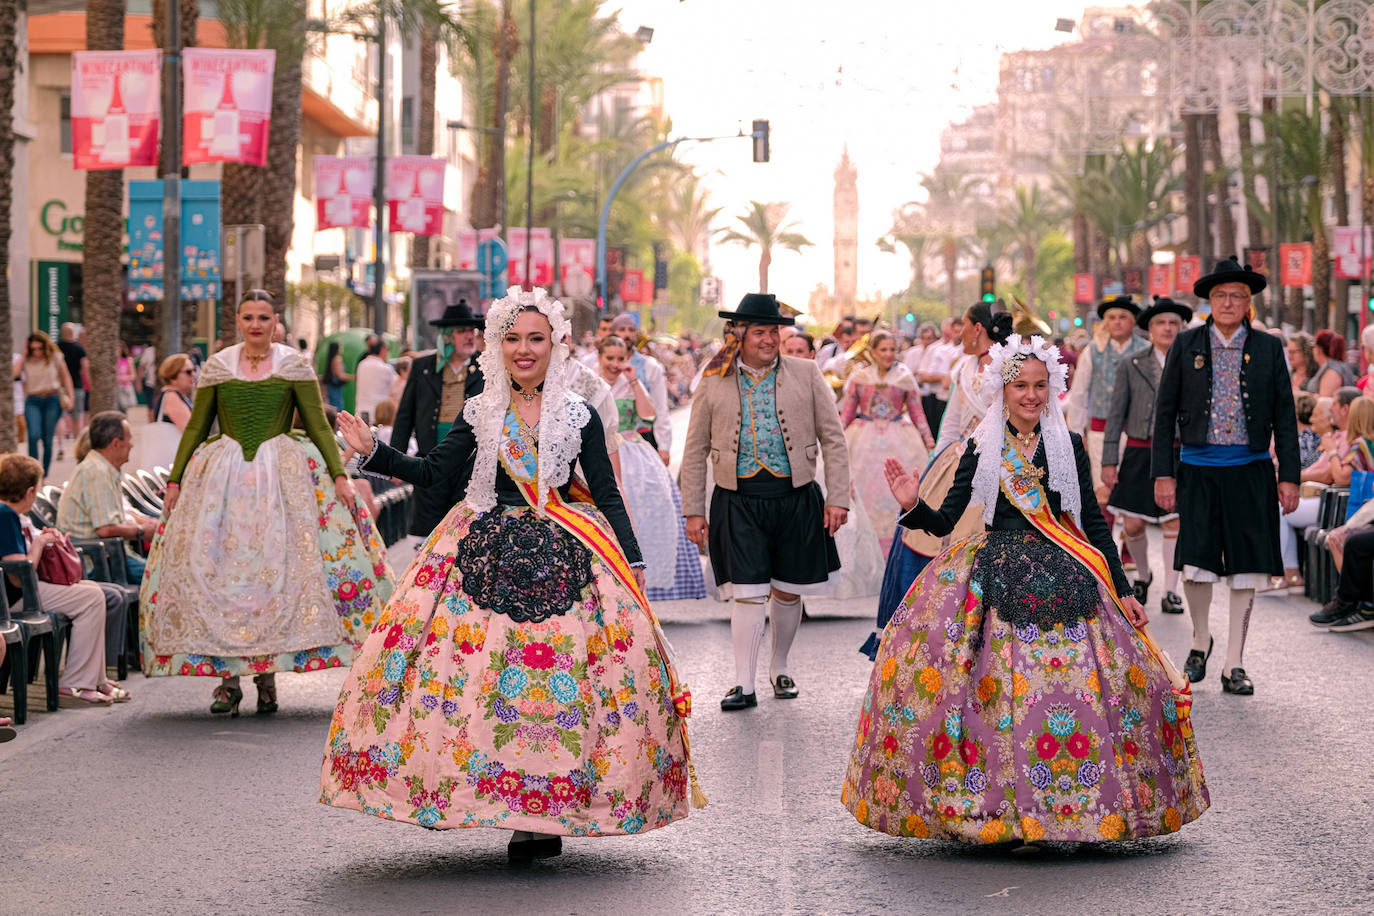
(883, 76)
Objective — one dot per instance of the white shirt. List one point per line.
(1076, 409)
(373, 377)
(940, 359)
(912, 358)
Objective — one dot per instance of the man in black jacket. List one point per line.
(440, 383)
(1229, 393)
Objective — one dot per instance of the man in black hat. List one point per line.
(440, 383)
(1094, 380)
(760, 419)
(1127, 471)
(1229, 393)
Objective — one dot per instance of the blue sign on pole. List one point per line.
(491, 263)
(200, 240)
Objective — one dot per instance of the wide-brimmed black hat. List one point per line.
(758, 308)
(1229, 270)
(1163, 305)
(1118, 302)
(460, 315)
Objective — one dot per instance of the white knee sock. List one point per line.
(1199, 596)
(1170, 574)
(786, 620)
(1242, 603)
(746, 633)
(1139, 546)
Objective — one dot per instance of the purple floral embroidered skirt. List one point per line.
(458, 715)
(978, 730)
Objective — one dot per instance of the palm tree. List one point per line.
(1027, 218)
(951, 215)
(490, 189)
(908, 232)
(102, 280)
(9, 70)
(188, 17)
(424, 126)
(766, 226)
(686, 216)
(279, 187)
(1303, 160)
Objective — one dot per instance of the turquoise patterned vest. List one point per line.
(761, 446)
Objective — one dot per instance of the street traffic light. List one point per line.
(988, 284)
(1052, 314)
(760, 134)
(910, 317)
(1078, 322)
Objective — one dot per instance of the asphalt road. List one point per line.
(155, 807)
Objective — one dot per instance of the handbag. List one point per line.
(59, 563)
(1361, 490)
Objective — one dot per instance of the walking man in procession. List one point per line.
(760, 419)
(1228, 391)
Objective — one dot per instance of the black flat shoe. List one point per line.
(737, 699)
(1142, 590)
(1238, 683)
(784, 688)
(1196, 665)
(1171, 603)
(544, 847)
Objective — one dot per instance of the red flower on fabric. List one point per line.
(539, 655)
(423, 575)
(486, 786)
(205, 668)
(367, 585)
(186, 668)
(393, 636)
(1130, 747)
(348, 590)
(378, 570)
(534, 802)
(1079, 745)
(949, 811)
(621, 645)
(1066, 810)
(591, 659)
(509, 784)
(1056, 663)
(466, 647)
(942, 746)
(1168, 734)
(1047, 746)
(968, 751)
(561, 788)
(890, 744)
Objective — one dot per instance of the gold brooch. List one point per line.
(1199, 361)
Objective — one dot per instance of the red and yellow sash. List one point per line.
(521, 461)
(1026, 493)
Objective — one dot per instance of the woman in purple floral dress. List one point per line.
(517, 679)
(1013, 700)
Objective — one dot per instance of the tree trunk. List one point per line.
(1192, 185)
(951, 253)
(1247, 179)
(283, 141)
(9, 71)
(1323, 309)
(1340, 196)
(424, 129)
(1226, 222)
(102, 282)
(1102, 247)
(241, 191)
(1082, 243)
(1293, 312)
(188, 16)
(1028, 253)
(491, 175)
(765, 262)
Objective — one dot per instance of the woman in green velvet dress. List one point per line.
(261, 563)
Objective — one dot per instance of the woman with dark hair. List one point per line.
(265, 561)
(47, 390)
(1332, 370)
(912, 549)
(335, 377)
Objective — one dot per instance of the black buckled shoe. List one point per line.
(1142, 590)
(1334, 610)
(784, 688)
(1238, 683)
(536, 847)
(737, 699)
(1171, 603)
(1196, 665)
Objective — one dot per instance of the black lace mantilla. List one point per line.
(522, 566)
(1029, 580)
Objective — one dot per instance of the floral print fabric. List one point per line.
(979, 730)
(329, 564)
(456, 716)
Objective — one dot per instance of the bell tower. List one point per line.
(846, 233)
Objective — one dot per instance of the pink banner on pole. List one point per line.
(1082, 288)
(541, 256)
(228, 105)
(577, 264)
(116, 108)
(343, 191)
(1187, 271)
(1352, 250)
(1159, 279)
(467, 250)
(415, 194)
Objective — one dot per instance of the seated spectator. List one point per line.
(1349, 610)
(92, 504)
(1309, 439)
(1367, 348)
(7, 732)
(174, 402)
(82, 682)
(1333, 371)
(1334, 443)
(386, 420)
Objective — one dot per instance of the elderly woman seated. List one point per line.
(82, 682)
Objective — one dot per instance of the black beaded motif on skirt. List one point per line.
(522, 566)
(1029, 580)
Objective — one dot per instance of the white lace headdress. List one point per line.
(989, 438)
(561, 416)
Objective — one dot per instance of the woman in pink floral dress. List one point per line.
(517, 679)
(1013, 699)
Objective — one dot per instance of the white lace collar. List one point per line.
(287, 362)
(990, 436)
(562, 414)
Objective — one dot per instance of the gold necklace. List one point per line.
(255, 360)
(1026, 439)
(528, 394)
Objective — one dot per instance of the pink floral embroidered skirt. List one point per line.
(456, 715)
(978, 730)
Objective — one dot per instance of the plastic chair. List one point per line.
(109, 565)
(39, 629)
(151, 483)
(162, 474)
(17, 661)
(44, 512)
